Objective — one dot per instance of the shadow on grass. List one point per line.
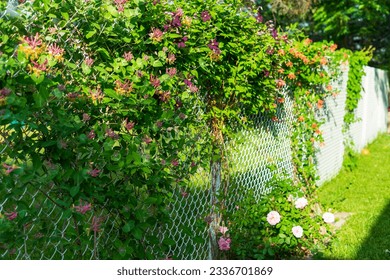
(376, 246)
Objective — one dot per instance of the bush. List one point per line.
(284, 224)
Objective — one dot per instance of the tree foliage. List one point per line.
(351, 24)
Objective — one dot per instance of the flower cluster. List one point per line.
(4, 92)
(190, 85)
(120, 5)
(9, 168)
(123, 88)
(32, 47)
(83, 208)
(224, 241)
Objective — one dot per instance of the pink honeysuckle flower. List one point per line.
(214, 46)
(156, 35)
(72, 96)
(224, 244)
(128, 125)
(9, 168)
(155, 82)
(171, 58)
(159, 124)
(123, 87)
(273, 218)
(147, 140)
(205, 16)
(171, 71)
(270, 51)
(259, 18)
(297, 231)
(86, 117)
(120, 5)
(190, 85)
(55, 50)
(94, 172)
(5, 92)
(91, 135)
(12, 215)
(274, 33)
(179, 12)
(223, 230)
(83, 208)
(96, 224)
(128, 56)
(165, 96)
(33, 41)
(181, 44)
(176, 22)
(110, 133)
(89, 61)
(40, 66)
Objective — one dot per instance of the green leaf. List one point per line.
(90, 34)
(71, 65)
(74, 190)
(65, 16)
(128, 227)
(37, 79)
(157, 63)
(112, 10)
(5, 38)
(86, 69)
(104, 52)
(138, 233)
(169, 241)
(38, 99)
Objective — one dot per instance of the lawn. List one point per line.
(364, 192)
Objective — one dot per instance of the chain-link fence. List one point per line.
(370, 116)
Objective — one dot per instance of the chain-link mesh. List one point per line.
(329, 158)
(52, 228)
(254, 150)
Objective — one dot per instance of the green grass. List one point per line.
(364, 192)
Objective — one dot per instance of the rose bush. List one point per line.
(274, 228)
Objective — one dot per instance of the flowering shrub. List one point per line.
(97, 116)
(278, 226)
